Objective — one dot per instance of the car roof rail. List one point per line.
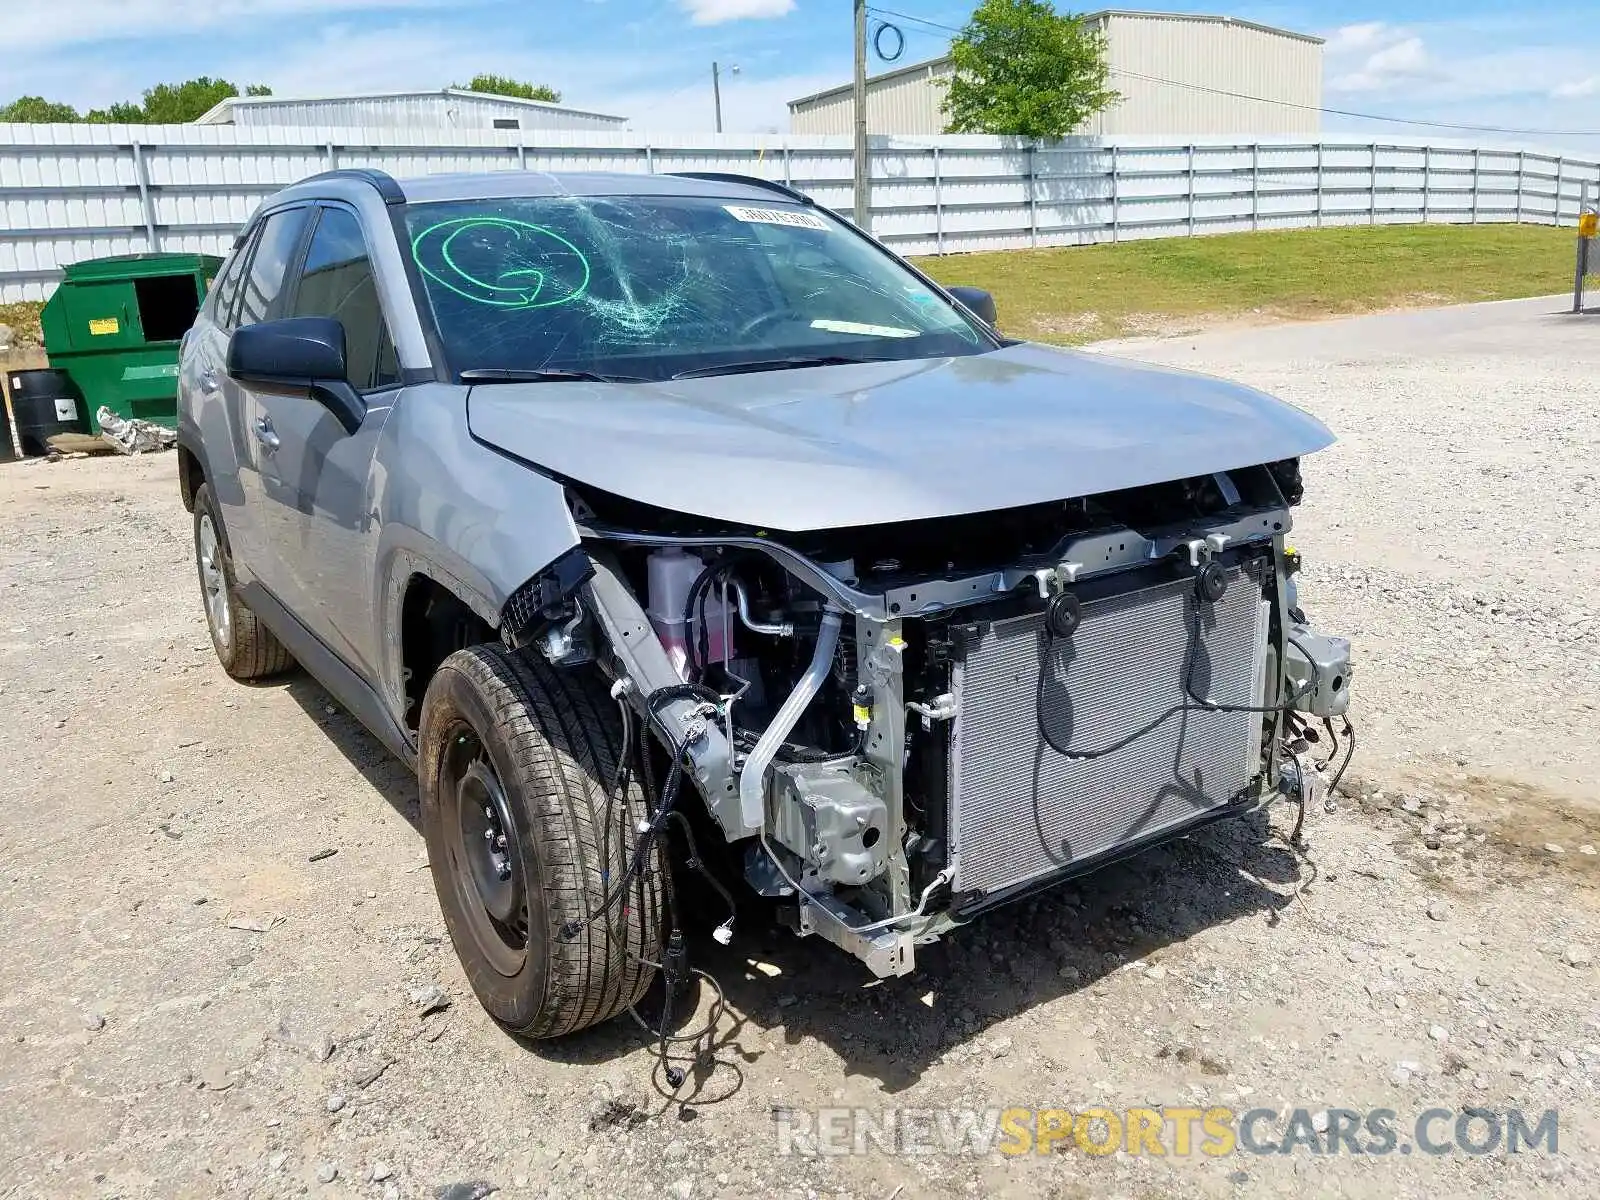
(382, 180)
(771, 185)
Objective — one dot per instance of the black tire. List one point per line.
(245, 647)
(548, 740)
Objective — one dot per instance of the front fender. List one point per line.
(469, 517)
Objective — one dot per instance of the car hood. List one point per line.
(868, 443)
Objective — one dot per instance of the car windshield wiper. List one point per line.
(543, 375)
(777, 364)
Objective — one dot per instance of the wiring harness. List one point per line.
(674, 967)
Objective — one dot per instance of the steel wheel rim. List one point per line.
(487, 868)
(214, 583)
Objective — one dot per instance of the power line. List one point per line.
(900, 16)
(1337, 112)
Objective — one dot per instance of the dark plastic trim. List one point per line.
(770, 185)
(382, 180)
(544, 598)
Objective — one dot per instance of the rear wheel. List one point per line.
(246, 648)
(516, 763)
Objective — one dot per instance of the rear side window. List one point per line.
(226, 292)
(263, 280)
(338, 282)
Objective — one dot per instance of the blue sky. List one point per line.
(1471, 61)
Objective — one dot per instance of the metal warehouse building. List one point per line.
(451, 108)
(1178, 75)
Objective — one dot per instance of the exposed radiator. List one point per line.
(1019, 810)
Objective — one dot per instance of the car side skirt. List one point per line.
(331, 671)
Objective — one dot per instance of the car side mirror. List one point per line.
(977, 302)
(298, 354)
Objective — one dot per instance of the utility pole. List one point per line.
(863, 188)
(716, 92)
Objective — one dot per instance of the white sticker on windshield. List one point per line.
(857, 327)
(776, 216)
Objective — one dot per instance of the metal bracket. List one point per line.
(1202, 550)
(943, 708)
(1057, 578)
(886, 952)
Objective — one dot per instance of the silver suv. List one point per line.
(671, 524)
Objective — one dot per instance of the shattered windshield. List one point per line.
(652, 287)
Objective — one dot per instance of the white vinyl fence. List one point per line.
(70, 192)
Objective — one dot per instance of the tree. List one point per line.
(120, 113)
(179, 103)
(36, 109)
(164, 104)
(499, 85)
(1023, 69)
(174, 103)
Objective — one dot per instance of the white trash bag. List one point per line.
(132, 435)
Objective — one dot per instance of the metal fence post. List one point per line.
(1115, 167)
(141, 176)
(1191, 190)
(1519, 188)
(1427, 178)
(938, 203)
(1477, 183)
(1033, 195)
(788, 165)
(649, 159)
(1255, 186)
(1582, 267)
(1319, 185)
(522, 155)
(330, 160)
(1560, 170)
(1372, 194)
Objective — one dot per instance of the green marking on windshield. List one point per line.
(545, 268)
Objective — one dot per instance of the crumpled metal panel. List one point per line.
(1020, 810)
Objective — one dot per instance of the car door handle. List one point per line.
(266, 435)
(208, 380)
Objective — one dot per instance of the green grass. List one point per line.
(1083, 293)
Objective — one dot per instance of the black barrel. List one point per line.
(44, 403)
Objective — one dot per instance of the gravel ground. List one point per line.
(1452, 529)
(192, 1006)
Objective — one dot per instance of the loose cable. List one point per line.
(1192, 703)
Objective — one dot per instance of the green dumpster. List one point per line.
(114, 325)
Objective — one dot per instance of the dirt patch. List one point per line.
(1537, 827)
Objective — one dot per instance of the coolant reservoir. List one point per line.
(671, 573)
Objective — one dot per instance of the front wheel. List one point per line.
(525, 839)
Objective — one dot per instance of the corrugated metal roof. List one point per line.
(1179, 16)
(222, 112)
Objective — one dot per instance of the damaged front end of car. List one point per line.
(903, 726)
